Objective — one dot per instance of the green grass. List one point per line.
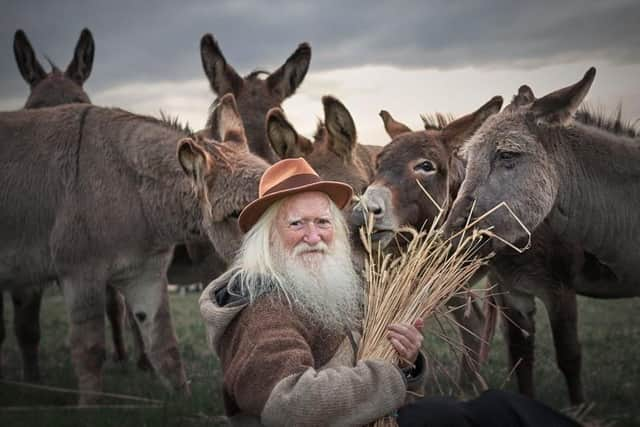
(608, 332)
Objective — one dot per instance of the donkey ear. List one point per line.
(222, 77)
(392, 127)
(80, 67)
(557, 107)
(523, 97)
(30, 69)
(228, 121)
(193, 159)
(286, 79)
(341, 130)
(458, 131)
(283, 137)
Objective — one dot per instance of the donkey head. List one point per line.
(254, 95)
(414, 161)
(334, 154)
(225, 176)
(512, 159)
(56, 87)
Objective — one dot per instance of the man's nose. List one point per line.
(311, 235)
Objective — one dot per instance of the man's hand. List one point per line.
(406, 340)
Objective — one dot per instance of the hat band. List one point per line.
(293, 182)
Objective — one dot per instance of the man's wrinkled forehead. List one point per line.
(308, 205)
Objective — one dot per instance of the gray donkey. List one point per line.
(583, 181)
(47, 90)
(571, 183)
(97, 196)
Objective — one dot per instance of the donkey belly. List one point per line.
(25, 266)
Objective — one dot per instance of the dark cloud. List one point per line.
(146, 41)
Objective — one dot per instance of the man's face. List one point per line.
(305, 224)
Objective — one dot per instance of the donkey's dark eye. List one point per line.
(508, 155)
(425, 166)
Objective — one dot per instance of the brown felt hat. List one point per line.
(288, 177)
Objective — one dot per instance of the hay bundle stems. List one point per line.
(417, 282)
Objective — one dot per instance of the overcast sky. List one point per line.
(406, 57)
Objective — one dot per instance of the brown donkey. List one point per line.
(395, 200)
(200, 262)
(534, 158)
(64, 222)
(335, 152)
(255, 96)
(48, 90)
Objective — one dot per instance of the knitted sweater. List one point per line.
(280, 369)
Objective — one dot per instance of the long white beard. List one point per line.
(321, 283)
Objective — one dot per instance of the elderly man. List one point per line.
(284, 321)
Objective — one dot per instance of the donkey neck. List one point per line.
(598, 195)
(147, 148)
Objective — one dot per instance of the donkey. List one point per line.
(547, 137)
(64, 222)
(554, 270)
(48, 90)
(198, 262)
(57, 87)
(255, 96)
(335, 152)
(549, 168)
(395, 200)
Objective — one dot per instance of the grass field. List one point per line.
(611, 372)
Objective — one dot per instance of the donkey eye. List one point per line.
(425, 166)
(508, 155)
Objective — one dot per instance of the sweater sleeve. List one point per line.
(271, 375)
(343, 396)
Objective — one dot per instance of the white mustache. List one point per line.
(303, 248)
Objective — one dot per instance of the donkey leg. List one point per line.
(563, 316)
(116, 314)
(519, 331)
(149, 300)
(26, 324)
(2, 330)
(143, 363)
(470, 320)
(85, 301)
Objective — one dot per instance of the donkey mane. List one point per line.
(256, 74)
(596, 117)
(54, 67)
(166, 121)
(321, 131)
(174, 123)
(436, 121)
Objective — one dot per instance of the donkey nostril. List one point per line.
(377, 211)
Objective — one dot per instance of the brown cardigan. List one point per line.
(279, 369)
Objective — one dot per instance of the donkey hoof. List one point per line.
(144, 364)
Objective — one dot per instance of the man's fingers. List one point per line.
(400, 349)
(419, 324)
(407, 330)
(404, 340)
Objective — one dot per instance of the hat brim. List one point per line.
(339, 192)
